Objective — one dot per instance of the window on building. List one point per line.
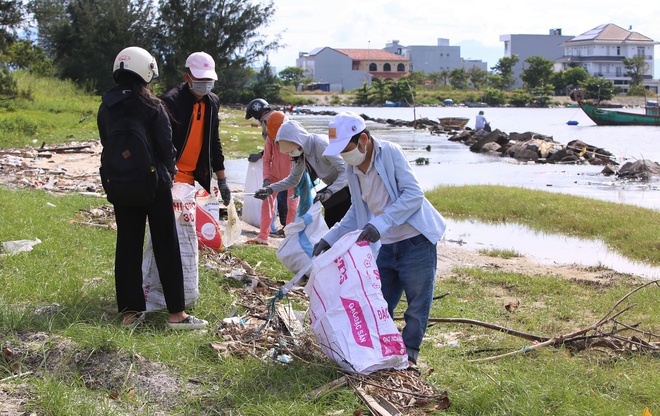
(372, 67)
(401, 68)
(641, 51)
(618, 71)
(387, 68)
(618, 51)
(398, 51)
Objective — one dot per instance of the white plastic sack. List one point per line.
(18, 246)
(185, 208)
(233, 228)
(348, 314)
(251, 205)
(295, 250)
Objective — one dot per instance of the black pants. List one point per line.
(131, 224)
(336, 206)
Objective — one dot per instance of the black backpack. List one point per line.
(128, 166)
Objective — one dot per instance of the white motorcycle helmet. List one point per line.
(138, 61)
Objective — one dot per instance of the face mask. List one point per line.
(295, 153)
(354, 157)
(201, 88)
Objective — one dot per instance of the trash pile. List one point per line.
(73, 167)
(276, 332)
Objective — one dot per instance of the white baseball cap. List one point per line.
(201, 66)
(340, 130)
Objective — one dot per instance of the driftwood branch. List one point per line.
(577, 339)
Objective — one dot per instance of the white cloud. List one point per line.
(476, 25)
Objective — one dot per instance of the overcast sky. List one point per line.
(474, 25)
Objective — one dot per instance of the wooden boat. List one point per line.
(454, 122)
(602, 117)
(651, 116)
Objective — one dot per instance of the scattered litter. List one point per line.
(18, 246)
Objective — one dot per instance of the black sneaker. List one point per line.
(190, 322)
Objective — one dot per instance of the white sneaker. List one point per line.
(190, 322)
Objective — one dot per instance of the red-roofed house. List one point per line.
(348, 69)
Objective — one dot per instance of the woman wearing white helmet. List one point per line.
(133, 69)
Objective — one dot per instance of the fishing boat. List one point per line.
(454, 122)
(602, 117)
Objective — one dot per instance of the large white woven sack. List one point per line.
(295, 250)
(185, 208)
(348, 314)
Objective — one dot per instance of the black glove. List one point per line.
(173, 172)
(263, 193)
(225, 193)
(254, 157)
(266, 183)
(320, 247)
(323, 195)
(369, 233)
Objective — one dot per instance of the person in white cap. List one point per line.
(306, 150)
(390, 208)
(195, 124)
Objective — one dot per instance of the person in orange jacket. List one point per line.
(276, 166)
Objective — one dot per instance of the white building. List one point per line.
(434, 58)
(601, 50)
(525, 46)
(340, 70)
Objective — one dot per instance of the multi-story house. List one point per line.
(601, 50)
(434, 58)
(547, 46)
(342, 70)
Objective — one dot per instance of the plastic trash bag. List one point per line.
(18, 246)
(233, 228)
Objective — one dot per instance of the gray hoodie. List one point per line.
(330, 169)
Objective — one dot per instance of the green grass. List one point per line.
(71, 272)
(499, 252)
(59, 300)
(631, 231)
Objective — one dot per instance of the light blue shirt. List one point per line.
(408, 201)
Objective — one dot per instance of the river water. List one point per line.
(452, 163)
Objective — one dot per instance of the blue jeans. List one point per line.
(409, 266)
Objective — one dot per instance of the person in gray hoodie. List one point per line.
(306, 151)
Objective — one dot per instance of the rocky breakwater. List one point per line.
(533, 147)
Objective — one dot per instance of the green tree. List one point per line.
(504, 68)
(459, 79)
(292, 75)
(380, 90)
(435, 78)
(11, 16)
(572, 77)
(520, 98)
(598, 89)
(83, 37)
(538, 72)
(362, 95)
(478, 77)
(636, 67)
(266, 85)
(24, 54)
(444, 74)
(493, 96)
(225, 29)
(403, 90)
